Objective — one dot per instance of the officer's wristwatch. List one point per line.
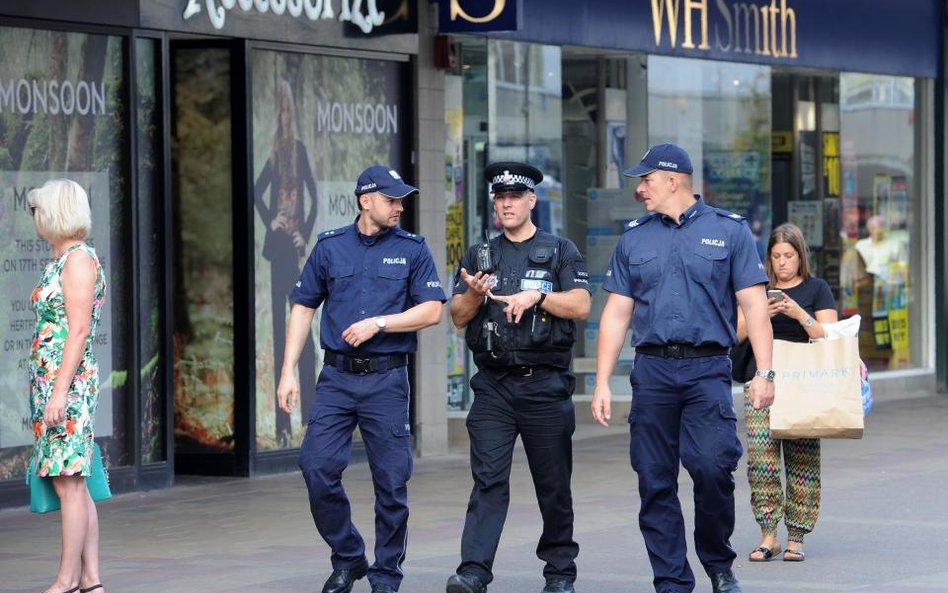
(381, 322)
(809, 321)
(768, 374)
(542, 297)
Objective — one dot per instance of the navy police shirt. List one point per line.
(683, 275)
(357, 276)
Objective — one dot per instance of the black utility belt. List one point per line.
(362, 365)
(681, 350)
(523, 370)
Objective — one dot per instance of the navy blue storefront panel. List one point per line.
(897, 37)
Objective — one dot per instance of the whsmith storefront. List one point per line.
(215, 139)
(818, 113)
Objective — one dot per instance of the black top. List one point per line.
(813, 294)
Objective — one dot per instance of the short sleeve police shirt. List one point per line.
(683, 275)
(355, 276)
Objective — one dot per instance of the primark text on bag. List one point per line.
(817, 390)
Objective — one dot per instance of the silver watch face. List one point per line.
(380, 322)
(768, 374)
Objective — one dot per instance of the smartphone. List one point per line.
(775, 293)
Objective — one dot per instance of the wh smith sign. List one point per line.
(876, 36)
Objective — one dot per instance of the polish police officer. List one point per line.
(518, 296)
(379, 286)
(675, 274)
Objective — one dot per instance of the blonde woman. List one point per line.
(799, 305)
(64, 376)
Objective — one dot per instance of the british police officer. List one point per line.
(518, 296)
(676, 274)
(378, 286)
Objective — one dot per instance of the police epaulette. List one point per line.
(640, 221)
(333, 232)
(728, 214)
(405, 234)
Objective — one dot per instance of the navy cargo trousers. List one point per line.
(682, 412)
(377, 403)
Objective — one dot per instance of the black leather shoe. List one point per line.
(383, 588)
(558, 586)
(341, 580)
(725, 582)
(465, 583)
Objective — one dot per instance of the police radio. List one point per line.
(485, 258)
(490, 330)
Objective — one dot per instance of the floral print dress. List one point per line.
(66, 449)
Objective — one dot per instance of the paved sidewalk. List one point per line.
(883, 525)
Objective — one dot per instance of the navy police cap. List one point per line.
(384, 180)
(512, 176)
(666, 157)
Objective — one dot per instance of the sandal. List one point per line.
(92, 588)
(794, 555)
(766, 554)
(73, 590)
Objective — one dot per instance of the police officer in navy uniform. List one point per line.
(379, 286)
(518, 296)
(678, 274)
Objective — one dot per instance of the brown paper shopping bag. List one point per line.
(817, 390)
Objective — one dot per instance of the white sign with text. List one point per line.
(23, 257)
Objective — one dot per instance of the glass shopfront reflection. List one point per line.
(882, 221)
(832, 153)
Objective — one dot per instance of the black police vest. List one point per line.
(540, 338)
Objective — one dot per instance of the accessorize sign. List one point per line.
(350, 11)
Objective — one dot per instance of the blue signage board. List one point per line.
(476, 16)
(875, 36)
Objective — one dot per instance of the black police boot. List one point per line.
(465, 583)
(558, 586)
(725, 582)
(341, 580)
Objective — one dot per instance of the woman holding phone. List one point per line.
(799, 306)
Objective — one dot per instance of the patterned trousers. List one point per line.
(800, 506)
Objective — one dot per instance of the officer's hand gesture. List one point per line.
(361, 332)
(516, 304)
(480, 283)
(288, 391)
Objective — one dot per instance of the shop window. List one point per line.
(318, 121)
(525, 122)
(505, 106)
(203, 252)
(61, 115)
(148, 201)
(881, 222)
(720, 113)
